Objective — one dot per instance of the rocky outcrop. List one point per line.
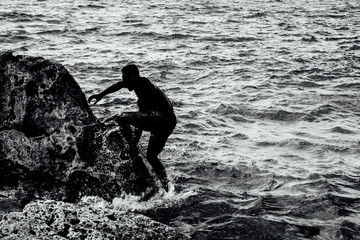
(54, 151)
(51, 144)
(59, 220)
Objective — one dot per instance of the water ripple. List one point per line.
(266, 94)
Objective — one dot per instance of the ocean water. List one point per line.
(266, 93)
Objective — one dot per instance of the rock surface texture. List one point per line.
(60, 220)
(53, 147)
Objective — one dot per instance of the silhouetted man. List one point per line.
(155, 115)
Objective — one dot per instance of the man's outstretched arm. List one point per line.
(113, 88)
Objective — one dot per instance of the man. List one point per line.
(155, 115)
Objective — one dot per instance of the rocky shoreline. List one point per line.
(60, 220)
(53, 151)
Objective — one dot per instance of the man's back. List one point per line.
(151, 98)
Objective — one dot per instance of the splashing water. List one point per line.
(130, 202)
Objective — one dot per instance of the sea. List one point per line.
(267, 95)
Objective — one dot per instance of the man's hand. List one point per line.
(97, 98)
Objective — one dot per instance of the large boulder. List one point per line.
(51, 144)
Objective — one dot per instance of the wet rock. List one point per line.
(60, 220)
(40, 97)
(51, 144)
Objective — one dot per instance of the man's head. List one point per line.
(131, 70)
(130, 74)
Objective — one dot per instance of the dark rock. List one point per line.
(39, 96)
(51, 144)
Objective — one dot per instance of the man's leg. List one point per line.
(132, 137)
(156, 145)
(143, 120)
(151, 121)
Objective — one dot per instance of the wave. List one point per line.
(310, 110)
(75, 33)
(309, 84)
(349, 85)
(322, 110)
(316, 209)
(341, 38)
(342, 130)
(306, 144)
(156, 35)
(16, 16)
(14, 38)
(256, 15)
(307, 71)
(244, 114)
(280, 115)
(95, 6)
(354, 48)
(230, 39)
(225, 110)
(52, 31)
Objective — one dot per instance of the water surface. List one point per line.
(266, 92)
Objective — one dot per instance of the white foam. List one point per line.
(129, 202)
(95, 201)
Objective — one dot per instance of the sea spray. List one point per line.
(134, 203)
(168, 199)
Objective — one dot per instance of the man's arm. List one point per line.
(113, 88)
